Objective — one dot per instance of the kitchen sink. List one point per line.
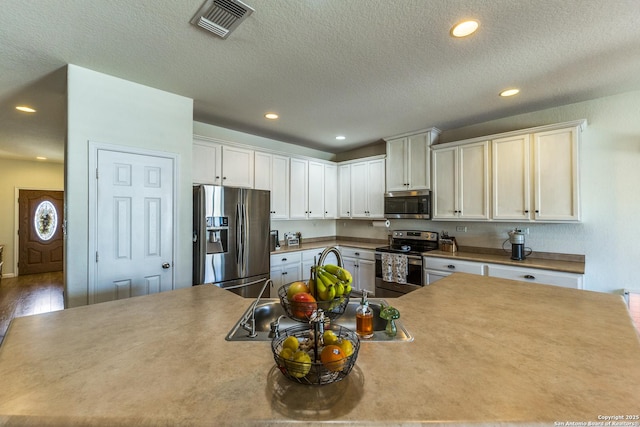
(270, 310)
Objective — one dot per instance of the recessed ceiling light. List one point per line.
(509, 92)
(271, 116)
(41, 158)
(25, 109)
(341, 137)
(464, 28)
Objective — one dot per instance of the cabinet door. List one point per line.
(316, 190)
(444, 183)
(367, 276)
(375, 188)
(263, 164)
(279, 187)
(330, 191)
(473, 181)
(555, 155)
(344, 179)
(418, 161)
(359, 175)
(237, 167)
(298, 188)
(206, 163)
(395, 171)
(350, 264)
(511, 178)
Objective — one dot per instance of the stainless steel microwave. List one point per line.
(408, 204)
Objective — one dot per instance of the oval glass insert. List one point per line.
(45, 220)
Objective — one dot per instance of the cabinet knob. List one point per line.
(451, 266)
(529, 277)
(218, 177)
(526, 212)
(284, 272)
(284, 259)
(224, 177)
(537, 211)
(357, 253)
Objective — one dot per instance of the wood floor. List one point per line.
(29, 294)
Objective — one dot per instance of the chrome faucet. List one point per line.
(248, 322)
(327, 251)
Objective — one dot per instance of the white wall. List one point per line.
(106, 109)
(28, 175)
(610, 179)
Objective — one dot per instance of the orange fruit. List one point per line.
(333, 358)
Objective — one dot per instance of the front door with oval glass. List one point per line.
(40, 231)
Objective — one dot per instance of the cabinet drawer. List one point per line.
(534, 275)
(454, 266)
(308, 255)
(358, 253)
(286, 258)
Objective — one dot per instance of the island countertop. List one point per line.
(486, 351)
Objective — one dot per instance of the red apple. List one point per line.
(303, 305)
(296, 288)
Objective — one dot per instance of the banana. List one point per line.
(339, 289)
(312, 286)
(331, 293)
(330, 278)
(339, 272)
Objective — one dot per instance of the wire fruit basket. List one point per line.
(311, 367)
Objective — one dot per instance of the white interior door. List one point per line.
(134, 225)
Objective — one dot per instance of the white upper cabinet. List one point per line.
(315, 192)
(511, 178)
(237, 166)
(344, 191)
(556, 175)
(312, 189)
(299, 186)
(536, 176)
(206, 163)
(461, 182)
(272, 173)
(367, 189)
(330, 191)
(408, 161)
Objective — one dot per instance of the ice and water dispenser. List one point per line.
(217, 234)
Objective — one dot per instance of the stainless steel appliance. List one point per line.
(408, 204)
(412, 244)
(231, 238)
(516, 238)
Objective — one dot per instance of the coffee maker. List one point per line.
(516, 238)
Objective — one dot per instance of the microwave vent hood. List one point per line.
(221, 17)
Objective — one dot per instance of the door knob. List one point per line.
(166, 265)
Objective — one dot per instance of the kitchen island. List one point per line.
(486, 351)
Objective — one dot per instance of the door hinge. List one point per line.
(97, 256)
(96, 173)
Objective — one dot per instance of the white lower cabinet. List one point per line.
(361, 264)
(438, 268)
(285, 268)
(534, 275)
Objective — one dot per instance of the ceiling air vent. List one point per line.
(221, 17)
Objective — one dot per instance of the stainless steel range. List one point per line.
(398, 275)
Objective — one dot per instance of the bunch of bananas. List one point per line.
(331, 282)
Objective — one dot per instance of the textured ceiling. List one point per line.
(366, 69)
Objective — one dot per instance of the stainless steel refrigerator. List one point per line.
(231, 238)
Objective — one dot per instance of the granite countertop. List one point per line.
(315, 244)
(567, 263)
(486, 351)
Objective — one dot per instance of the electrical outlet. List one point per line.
(461, 228)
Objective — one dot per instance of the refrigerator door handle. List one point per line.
(244, 236)
(238, 236)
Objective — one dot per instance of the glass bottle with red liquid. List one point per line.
(364, 318)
